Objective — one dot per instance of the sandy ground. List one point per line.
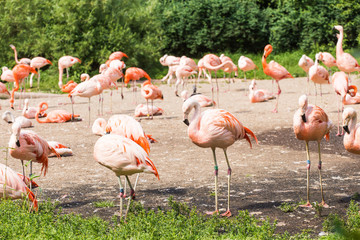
(272, 172)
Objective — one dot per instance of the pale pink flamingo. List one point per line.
(30, 112)
(258, 95)
(114, 72)
(26, 61)
(37, 63)
(24, 122)
(169, 61)
(141, 110)
(55, 116)
(246, 64)
(27, 145)
(274, 70)
(215, 128)
(305, 63)
(3, 89)
(124, 157)
(229, 67)
(106, 83)
(351, 127)
(60, 149)
(12, 186)
(341, 87)
(344, 61)
(329, 61)
(203, 100)
(191, 63)
(318, 74)
(66, 62)
(150, 92)
(182, 73)
(311, 123)
(7, 75)
(99, 127)
(352, 97)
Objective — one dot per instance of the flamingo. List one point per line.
(66, 62)
(37, 63)
(141, 111)
(30, 112)
(258, 95)
(318, 74)
(3, 89)
(311, 123)
(114, 72)
(150, 91)
(344, 61)
(55, 116)
(351, 127)
(69, 86)
(8, 117)
(274, 70)
(182, 73)
(99, 126)
(246, 64)
(60, 149)
(203, 100)
(305, 63)
(27, 145)
(7, 75)
(171, 62)
(134, 73)
(117, 56)
(12, 186)
(340, 85)
(124, 157)
(26, 61)
(329, 61)
(230, 67)
(215, 128)
(352, 97)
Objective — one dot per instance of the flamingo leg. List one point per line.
(216, 185)
(72, 109)
(308, 177)
(22, 164)
(130, 198)
(246, 88)
(217, 92)
(122, 89)
(99, 111)
(111, 93)
(38, 78)
(147, 105)
(152, 107)
(308, 83)
(12, 99)
(277, 98)
(89, 112)
(30, 175)
(339, 117)
(228, 213)
(102, 103)
(121, 195)
(320, 179)
(67, 74)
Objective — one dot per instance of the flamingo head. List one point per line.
(252, 85)
(108, 129)
(16, 128)
(319, 56)
(267, 50)
(303, 104)
(339, 28)
(348, 115)
(354, 90)
(162, 59)
(12, 47)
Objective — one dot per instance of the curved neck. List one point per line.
(339, 49)
(196, 117)
(41, 110)
(263, 60)
(352, 125)
(16, 57)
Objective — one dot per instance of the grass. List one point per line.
(104, 204)
(288, 207)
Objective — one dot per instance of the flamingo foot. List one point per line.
(122, 195)
(275, 110)
(308, 205)
(122, 96)
(132, 194)
(226, 214)
(339, 134)
(324, 205)
(213, 213)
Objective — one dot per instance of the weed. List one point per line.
(288, 207)
(104, 204)
(318, 208)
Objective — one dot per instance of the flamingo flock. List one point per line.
(124, 148)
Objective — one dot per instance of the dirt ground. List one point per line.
(272, 172)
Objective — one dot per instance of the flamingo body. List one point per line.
(352, 129)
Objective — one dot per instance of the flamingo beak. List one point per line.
(346, 128)
(18, 143)
(303, 117)
(186, 121)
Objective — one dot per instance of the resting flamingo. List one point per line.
(55, 116)
(150, 92)
(352, 97)
(215, 128)
(7, 75)
(305, 63)
(60, 149)
(37, 63)
(8, 117)
(274, 70)
(142, 111)
(341, 87)
(351, 127)
(246, 64)
(203, 100)
(30, 112)
(258, 95)
(318, 74)
(99, 127)
(311, 123)
(66, 62)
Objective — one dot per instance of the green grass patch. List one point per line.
(104, 204)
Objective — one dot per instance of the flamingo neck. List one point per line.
(339, 49)
(352, 125)
(16, 57)
(194, 122)
(41, 110)
(61, 70)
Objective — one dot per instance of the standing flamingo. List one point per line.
(229, 68)
(246, 64)
(352, 135)
(171, 62)
(258, 95)
(55, 116)
(215, 128)
(134, 73)
(318, 74)
(341, 87)
(305, 63)
(345, 62)
(26, 61)
(12, 186)
(311, 124)
(124, 157)
(66, 62)
(37, 63)
(274, 70)
(152, 92)
(182, 73)
(329, 61)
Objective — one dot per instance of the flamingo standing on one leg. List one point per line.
(37, 63)
(352, 135)
(66, 62)
(246, 64)
(274, 70)
(55, 116)
(215, 128)
(229, 68)
(318, 74)
(150, 91)
(311, 124)
(305, 63)
(134, 73)
(182, 73)
(341, 87)
(258, 95)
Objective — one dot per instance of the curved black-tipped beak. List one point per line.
(186, 121)
(346, 128)
(18, 143)
(12, 108)
(162, 97)
(303, 117)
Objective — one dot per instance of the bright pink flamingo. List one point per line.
(311, 124)
(352, 97)
(215, 128)
(134, 73)
(69, 86)
(246, 64)
(7, 75)
(345, 62)
(258, 95)
(66, 62)
(30, 112)
(318, 74)
(341, 87)
(12, 186)
(27, 145)
(26, 61)
(117, 56)
(182, 73)
(99, 127)
(203, 100)
(274, 70)
(60, 149)
(55, 116)
(142, 111)
(37, 63)
(124, 157)
(305, 63)
(150, 92)
(352, 135)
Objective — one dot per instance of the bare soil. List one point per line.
(271, 173)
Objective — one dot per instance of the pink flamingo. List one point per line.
(318, 74)
(27, 145)
(341, 87)
(203, 100)
(329, 61)
(171, 62)
(345, 62)
(117, 55)
(124, 157)
(24, 122)
(37, 63)
(152, 92)
(26, 61)
(215, 128)
(7, 75)
(258, 95)
(30, 112)
(246, 64)
(141, 111)
(274, 70)
(55, 116)
(99, 127)
(12, 186)
(352, 97)
(182, 73)
(3, 89)
(66, 62)
(134, 73)
(311, 124)
(352, 135)
(60, 149)
(305, 63)
(229, 67)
